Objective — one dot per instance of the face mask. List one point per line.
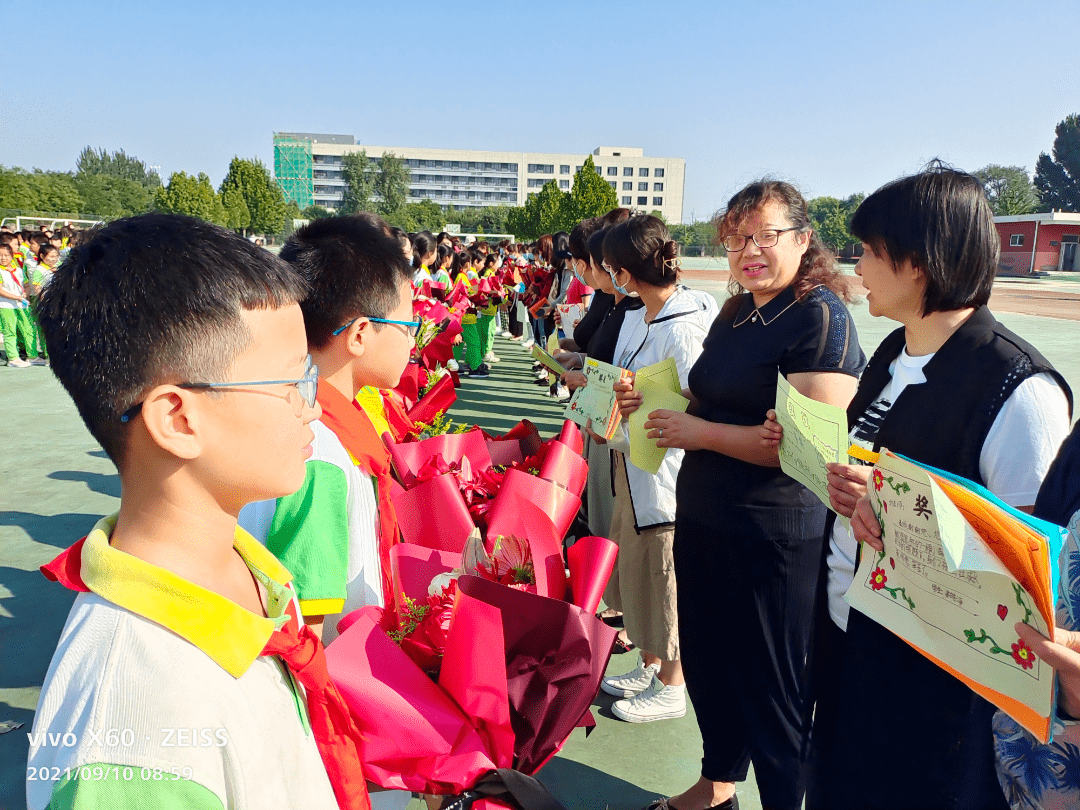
(622, 290)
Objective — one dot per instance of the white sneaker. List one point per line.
(657, 702)
(491, 358)
(39, 361)
(633, 682)
(505, 333)
(451, 364)
(17, 363)
(528, 344)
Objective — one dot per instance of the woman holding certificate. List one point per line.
(954, 389)
(640, 258)
(748, 539)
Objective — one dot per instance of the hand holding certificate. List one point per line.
(596, 401)
(660, 389)
(956, 571)
(815, 434)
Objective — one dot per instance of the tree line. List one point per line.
(109, 185)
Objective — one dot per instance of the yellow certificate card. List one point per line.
(644, 454)
(815, 434)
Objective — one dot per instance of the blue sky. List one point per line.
(836, 96)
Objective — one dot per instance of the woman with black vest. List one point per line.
(955, 389)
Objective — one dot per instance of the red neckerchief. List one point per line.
(336, 734)
(335, 731)
(347, 420)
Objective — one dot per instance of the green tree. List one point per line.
(359, 182)
(17, 190)
(1009, 190)
(590, 196)
(548, 210)
(237, 215)
(117, 164)
(315, 212)
(829, 219)
(392, 184)
(110, 196)
(192, 196)
(55, 192)
(250, 181)
(1057, 178)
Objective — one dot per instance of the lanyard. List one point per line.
(626, 362)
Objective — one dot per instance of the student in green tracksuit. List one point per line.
(14, 311)
(35, 278)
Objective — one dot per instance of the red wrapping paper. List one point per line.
(409, 457)
(566, 467)
(438, 400)
(433, 514)
(412, 380)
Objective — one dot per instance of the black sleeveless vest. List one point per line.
(944, 421)
(932, 736)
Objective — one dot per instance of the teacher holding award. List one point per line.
(748, 539)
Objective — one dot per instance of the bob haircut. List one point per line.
(940, 221)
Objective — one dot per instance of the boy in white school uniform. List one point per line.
(183, 678)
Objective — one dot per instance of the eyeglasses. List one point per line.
(412, 327)
(763, 239)
(301, 392)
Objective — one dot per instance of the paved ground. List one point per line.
(56, 483)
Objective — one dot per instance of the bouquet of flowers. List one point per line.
(450, 486)
(460, 730)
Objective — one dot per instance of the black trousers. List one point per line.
(902, 733)
(747, 589)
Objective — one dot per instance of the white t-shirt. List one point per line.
(10, 284)
(1018, 450)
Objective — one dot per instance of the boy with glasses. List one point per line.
(183, 677)
(336, 531)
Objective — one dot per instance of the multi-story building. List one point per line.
(308, 167)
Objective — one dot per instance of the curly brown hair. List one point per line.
(818, 265)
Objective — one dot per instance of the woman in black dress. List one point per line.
(748, 539)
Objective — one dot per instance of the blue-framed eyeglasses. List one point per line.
(412, 327)
(301, 392)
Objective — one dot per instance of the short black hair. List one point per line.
(353, 266)
(942, 222)
(149, 300)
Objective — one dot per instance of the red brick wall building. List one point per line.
(1040, 242)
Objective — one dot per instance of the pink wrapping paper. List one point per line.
(532, 507)
(571, 437)
(416, 737)
(591, 561)
(433, 514)
(409, 457)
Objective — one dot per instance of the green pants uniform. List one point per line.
(470, 333)
(37, 340)
(17, 327)
(486, 324)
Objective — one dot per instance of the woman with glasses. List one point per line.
(748, 539)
